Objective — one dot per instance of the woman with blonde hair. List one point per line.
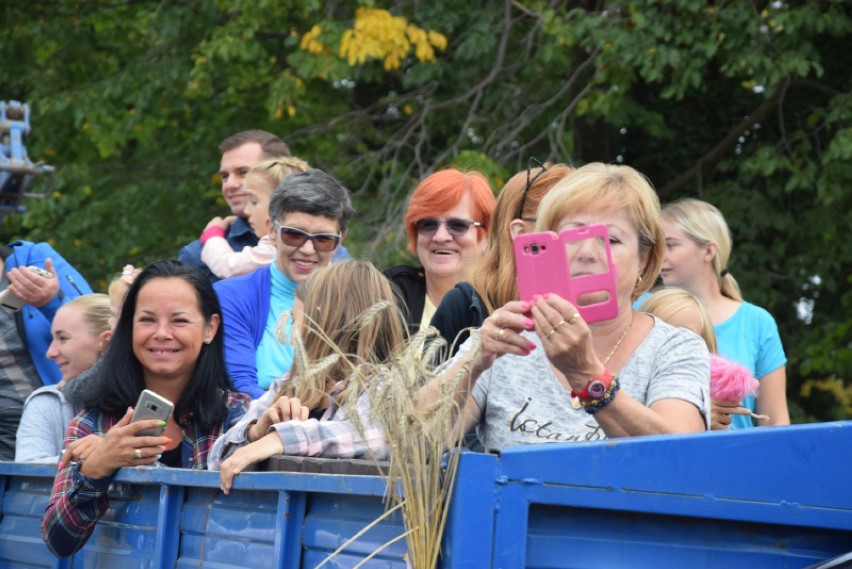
(698, 248)
(542, 374)
(493, 277)
(447, 221)
(260, 182)
(348, 322)
(681, 308)
(80, 331)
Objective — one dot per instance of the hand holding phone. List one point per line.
(576, 265)
(15, 303)
(152, 406)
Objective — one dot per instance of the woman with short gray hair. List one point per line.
(309, 214)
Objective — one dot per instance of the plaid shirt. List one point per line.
(333, 435)
(78, 502)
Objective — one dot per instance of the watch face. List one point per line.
(597, 389)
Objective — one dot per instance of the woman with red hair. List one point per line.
(447, 221)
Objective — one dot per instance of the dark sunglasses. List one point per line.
(293, 237)
(456, 227)
(530, 163)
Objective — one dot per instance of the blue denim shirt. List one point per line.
(239, 235)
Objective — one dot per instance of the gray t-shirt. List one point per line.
(522, 402)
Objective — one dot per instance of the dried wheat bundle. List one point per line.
(418, 432)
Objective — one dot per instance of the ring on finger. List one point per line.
(573, 318)
(499, 334)
(549, 334)
(558, 324)
(138, 454)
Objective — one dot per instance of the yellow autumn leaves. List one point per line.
(377, 34)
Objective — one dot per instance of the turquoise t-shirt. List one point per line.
(750, 338)
(274, 355)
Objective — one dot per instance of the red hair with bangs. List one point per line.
(442, 191)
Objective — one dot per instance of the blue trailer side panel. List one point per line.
(745, 499)
(753, 498)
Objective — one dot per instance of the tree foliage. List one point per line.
(744, 104)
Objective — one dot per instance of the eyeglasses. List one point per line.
(532, 161)
(293, 237)
(456, 227)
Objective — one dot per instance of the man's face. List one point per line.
(233, 168)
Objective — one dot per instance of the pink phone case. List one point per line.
(543, 267)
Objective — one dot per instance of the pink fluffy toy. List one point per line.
(730, 381)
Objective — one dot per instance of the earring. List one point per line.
(638, 281)
(208, 340)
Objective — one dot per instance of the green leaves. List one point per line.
(746, 107)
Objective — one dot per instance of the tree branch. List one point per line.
(712, 157)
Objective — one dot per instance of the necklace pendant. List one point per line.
(576, 404)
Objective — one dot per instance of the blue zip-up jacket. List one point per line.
(36, 321)
(245, 307)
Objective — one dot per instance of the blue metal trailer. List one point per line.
(769, 497)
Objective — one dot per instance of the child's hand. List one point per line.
(221, 222)
(284, 409)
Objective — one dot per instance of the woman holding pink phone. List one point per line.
(168, 340)
(542, 374)
(492, 278)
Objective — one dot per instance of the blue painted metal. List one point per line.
(755, 498)
(471, 506)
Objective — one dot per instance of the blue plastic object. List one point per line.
(769, 497)
(16, 169)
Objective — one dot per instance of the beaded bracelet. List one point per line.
(595, 405)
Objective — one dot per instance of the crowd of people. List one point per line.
(258, 328)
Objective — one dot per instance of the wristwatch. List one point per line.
(596, 388)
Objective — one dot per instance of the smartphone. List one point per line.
(39, 271)
(541, 265)
(151, 406)
(576, 264)
(12, 302)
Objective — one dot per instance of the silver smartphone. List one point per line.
(151, 406)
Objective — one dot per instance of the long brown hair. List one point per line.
(351, 319)
(493, 275)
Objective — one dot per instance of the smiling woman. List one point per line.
(308, 217)
(168, 340)
(80, 333)
(447, 221)
(543, 374)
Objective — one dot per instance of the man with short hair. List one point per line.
(309, 213)
(240, 153)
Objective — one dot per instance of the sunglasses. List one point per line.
(293, 237)
(456, 227)
(530, 163)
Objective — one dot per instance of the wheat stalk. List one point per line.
(417, 433)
